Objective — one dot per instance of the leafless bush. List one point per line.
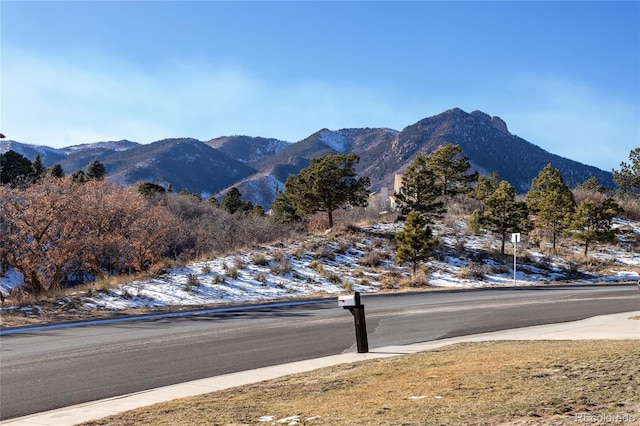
(462, 206)
(325, 252)
(332, 277)
(239, 263)
(259, 259)
(630, 206)
(373, 259)
(279, 256)
(473, 270)
(413, 282)
(283, 267)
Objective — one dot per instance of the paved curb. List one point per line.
(608, 327)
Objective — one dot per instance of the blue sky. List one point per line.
(563, 75)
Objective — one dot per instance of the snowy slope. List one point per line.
(327, 265)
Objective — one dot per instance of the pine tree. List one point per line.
(452, 170)
(283, 210)
(420, 191)
(552, 201)
(628, 178)
(329, 183)
(593, 222)
(79, 176)
(232, 201)
(14, 167)
(38, 168)
(96, 170)
(56, 171)
(592, 185)
(504, 214)
(212, 200)
(487, 185)
(415, 241)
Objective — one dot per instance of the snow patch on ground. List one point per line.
(327, 265)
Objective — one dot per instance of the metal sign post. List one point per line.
(515, 238)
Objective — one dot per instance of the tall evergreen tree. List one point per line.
(452, 170)
(628, 177)
(232, 201)
(487, 185)
(415, 241)
(420, 191)
(13, 167)
(212, 200)
(593, 222)
(79, 176)
(504, 214)
(327, 184)
(592, 185)
(56, 171)
(552, 201)
(38, 168)
(283, 210)
(96, 170)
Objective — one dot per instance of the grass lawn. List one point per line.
(488, 383)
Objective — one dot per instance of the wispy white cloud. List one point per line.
(57, 101)
(87, 97)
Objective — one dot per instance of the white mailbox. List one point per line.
(346, 301)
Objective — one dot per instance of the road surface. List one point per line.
(46, 369)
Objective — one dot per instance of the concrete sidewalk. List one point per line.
(611, 327)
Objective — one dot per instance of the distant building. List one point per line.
(383, 200)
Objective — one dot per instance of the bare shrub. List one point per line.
(233, 272)
(283, 267)
(500, 269)
(630, 206)
(388, 283)
(325, 252)
(192, 281)
(373, 259)
(239, 263)
(332, 277)
(414, 282)
(259, 259)
(316, 266)
(279, 255)
(473, 270)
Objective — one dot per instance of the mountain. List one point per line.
(247, 149)
(259, 166)
(487, 142)
(184, 163)
(47, 155)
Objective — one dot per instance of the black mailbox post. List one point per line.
(355, 306)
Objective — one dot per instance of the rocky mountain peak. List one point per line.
(495, 121)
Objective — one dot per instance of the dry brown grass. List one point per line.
(487, 383)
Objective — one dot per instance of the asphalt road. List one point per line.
(51, 368)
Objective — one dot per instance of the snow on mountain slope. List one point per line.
(334, 140)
